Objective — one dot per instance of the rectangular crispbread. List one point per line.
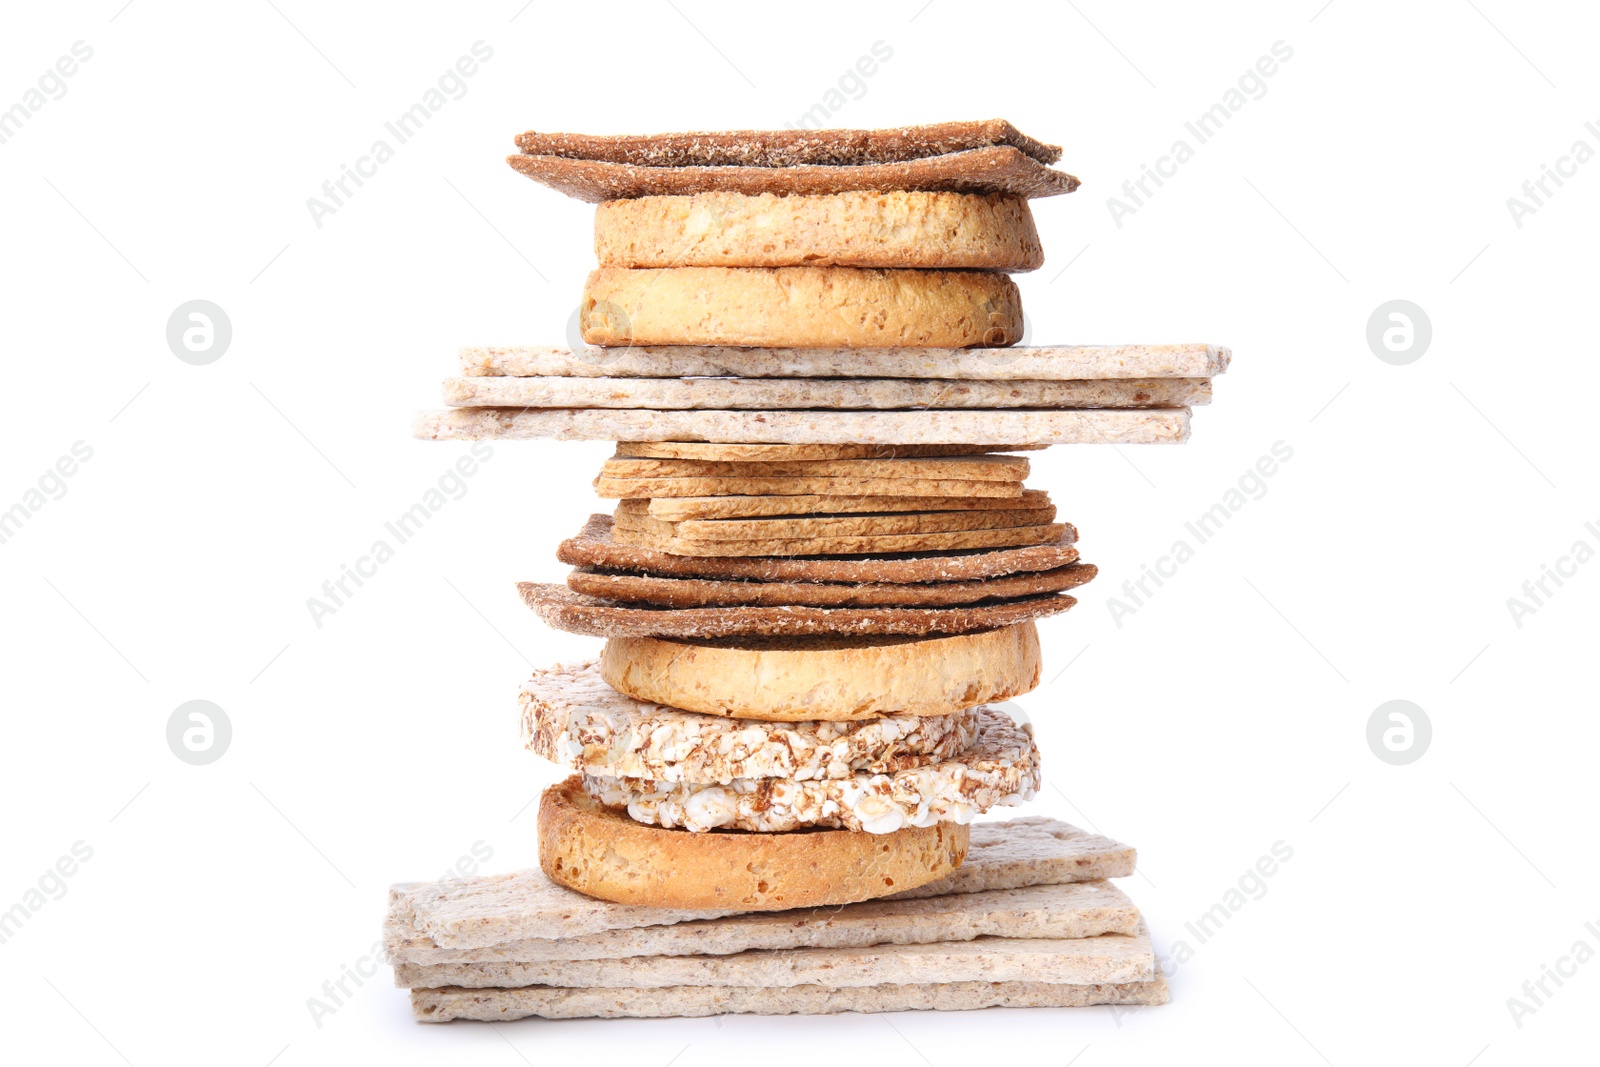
(1063, 910)
(860, 394)
(786, 148)
(980, 468)
(867, 525)
(650, 488)
(991, 169)
(491, 910)
(948, 541)
(552, 1002)
(678, 509)
(1038, 362)
(1103, 426)
(747, 453)
(1108, 958)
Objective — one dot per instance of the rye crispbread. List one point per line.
(630, 532)
(1102, 426)
(683, 509)
(1001, 769)
(787, 148)
(821, 485)
(1065, 910)
(594, 547)
(757, 307)
(1106, 959)
(1042, 362)
(487, 911)
(572, 717)
(707, 593)
(994, 468)
(860, 394)
(996, 169)
(834, 679)
(928, 231)
(867, 524)
(745, 453)
(604, 853)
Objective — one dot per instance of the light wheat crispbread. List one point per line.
(487, 911)
(754, 307)
(1108, 958)
(1005, 537)
(1001, 769)
(572, 717)
(826, 678)
(594, 547)
(557, 1002)
(604, 853)
(1041, 362)
(822, 485)
(859, 525)
(995, 468)
(707, 593)
(1125, 426)
(1066, 910)
(858, 394)
(995, 169)
(787, 148)
(746, 453)
(683, 509)
(948, 231)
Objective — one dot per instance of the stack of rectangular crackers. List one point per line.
(1028, 920)
(818, 592)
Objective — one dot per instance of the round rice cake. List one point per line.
(602, 853)
(1001, 769)
(962, 231)
(572, 717)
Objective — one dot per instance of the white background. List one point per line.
(1227, 714)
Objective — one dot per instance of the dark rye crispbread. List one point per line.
(996, 169)
(576, 613)
(786, 148)
(712, 593)
(593, 547)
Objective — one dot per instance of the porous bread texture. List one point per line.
(832, 679)
(755, 307)
(556, 1002)
(1000, 769)
(962, 231)
(602, 853)
(1068, 909)
(1060, 426)
(572, 717)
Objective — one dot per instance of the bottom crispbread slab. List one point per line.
(1103, 426)
(491, 910)
(1065, 910)
(1108, 958)
(554, 1002)
(708, 593)
(594, 547)
(575, 613)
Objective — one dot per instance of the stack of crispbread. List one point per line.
(1028, 920)
(818, 592)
